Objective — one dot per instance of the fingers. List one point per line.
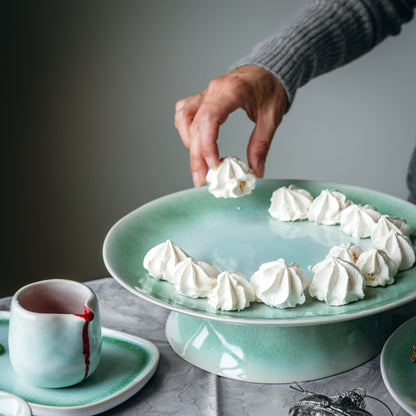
(185, 111)
(204, 131)
(198, 120)
(198, 134)
(203, 151)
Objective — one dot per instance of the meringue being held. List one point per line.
(398, 247)
(160, 261)
(194, 279)
(232, 292)
(290, 203)
(279, 284)
(327, 207)
(350, 253)
(337, 282)
(359, 220)
(386, 224)
(377, 267)
(230, 179)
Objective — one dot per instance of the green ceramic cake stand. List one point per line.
(260, 343)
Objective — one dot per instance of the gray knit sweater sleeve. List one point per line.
(328, 34)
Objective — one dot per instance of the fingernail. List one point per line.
(211, 162)
(197, 179)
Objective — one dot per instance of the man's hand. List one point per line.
(198, 118)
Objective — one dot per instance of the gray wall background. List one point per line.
(88, 132)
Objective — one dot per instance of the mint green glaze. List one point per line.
(277, 354)
(398, 371)
(126, 364)
(51, 349)
(239, 235)
(260, 343)
(12, 405)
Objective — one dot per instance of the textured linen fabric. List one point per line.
(326, 35)
(180, 389)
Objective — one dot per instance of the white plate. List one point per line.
(127, 363)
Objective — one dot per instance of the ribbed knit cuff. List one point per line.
(324, 36)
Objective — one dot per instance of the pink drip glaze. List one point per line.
(88, 316)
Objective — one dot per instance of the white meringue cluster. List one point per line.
(167, 261)
(197, 279)
(359, 220)
(338, 279)
(290, 203)
(276, 283)
(279, 284)
(377, 267)
(230, 179)
(232, 292)
(342, 276)
(337, 282)
(398, 247)
(350, 253)
(327, 207)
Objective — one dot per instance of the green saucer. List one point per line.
(127, 364)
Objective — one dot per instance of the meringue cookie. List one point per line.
(160, 261)
(232, 292)
(377, 267)
(290, 203)
(398, 247)
(337, 282)
(350, 253)
(327, 207)
(279, 284)
(230, 179)
(359, 220)
(386, 224)
(194, 279)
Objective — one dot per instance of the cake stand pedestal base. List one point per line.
(274, 353)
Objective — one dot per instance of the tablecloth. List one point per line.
(179, 388)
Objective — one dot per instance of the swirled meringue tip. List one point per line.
(290, 203)
(230, 179)
(386, 223)
(326, 208)
(232, 292)
(350, 252)
(279, 284)
(398, 247)
(160, 261)
(337, 282)
(194, 279)
(359, 220)
(377, 267)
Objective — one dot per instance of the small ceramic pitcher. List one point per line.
(54, 333)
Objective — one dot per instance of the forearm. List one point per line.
(327, 35)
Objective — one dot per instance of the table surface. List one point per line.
(179, 388)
